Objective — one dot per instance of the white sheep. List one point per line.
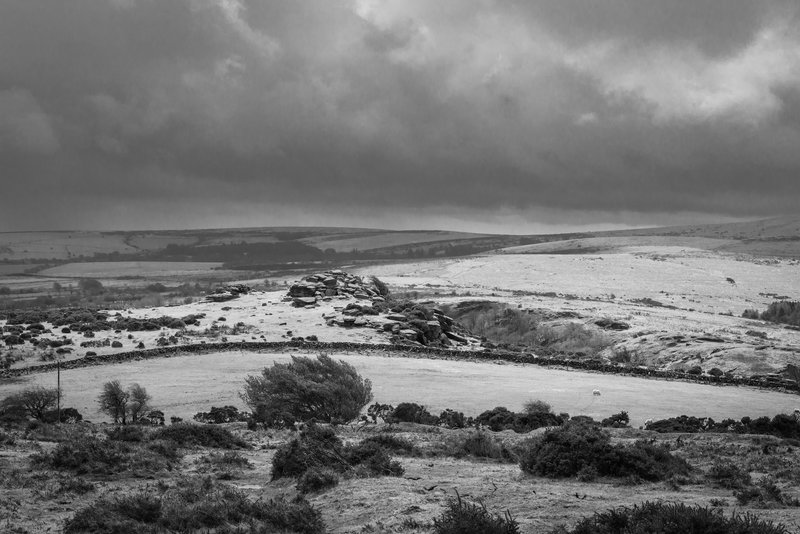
(648, 422)
(596, 392)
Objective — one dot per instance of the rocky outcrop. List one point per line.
(229, 292)
(330, 284)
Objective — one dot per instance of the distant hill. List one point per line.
(260, 246)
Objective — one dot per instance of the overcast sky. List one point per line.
(518, 116)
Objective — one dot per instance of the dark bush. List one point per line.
(569, 450)
(191, 435)
(464, 518)
(411, 412)
(319, 448)
(321, 389)
(86, 454)
(501, 418)
(453, 419)
(618, 420)
(671, 518)
(225, 414)
(195, 505)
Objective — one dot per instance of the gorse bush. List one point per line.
(464, 518)
(501, 418)
(318, 448)
(577, 447)
(411, 412)
(671, 518)
(781, 425)
(225, 414)
(321, 389)
(196, 505)
(86, 454)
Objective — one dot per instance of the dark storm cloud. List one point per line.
(145, 113)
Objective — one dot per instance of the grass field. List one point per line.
(183, 385)
(113, 269)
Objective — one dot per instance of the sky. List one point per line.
(516, 116)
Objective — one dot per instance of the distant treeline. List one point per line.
(278, 254)
(780, 311)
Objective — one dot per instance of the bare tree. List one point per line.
(114, 401)
(138, 404)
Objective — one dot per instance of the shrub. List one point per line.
(536, 407)
(191, 435)
(500, 418)
(321, 389)
(464, 518)
(320, 448)
(671, 518)
(86, 454)
(68, 415)
(225, 414)
(618, 420)
(411, 412)
(192, 506)
(453, 419)
(569, 450)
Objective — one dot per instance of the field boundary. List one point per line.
(407, 351)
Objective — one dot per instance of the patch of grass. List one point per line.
(226, 460)
(316, 480)
(727, 475)
(393, 443)
(671, 518)
(765, 494)
(195, 505)
(477, 444)
(464, 518)
(191, 435)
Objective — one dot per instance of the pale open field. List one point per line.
(184, 385)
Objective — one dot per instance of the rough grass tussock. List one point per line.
(671, 518)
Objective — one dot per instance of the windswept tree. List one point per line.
(35, 401)
(124, 405)
(322, 389)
